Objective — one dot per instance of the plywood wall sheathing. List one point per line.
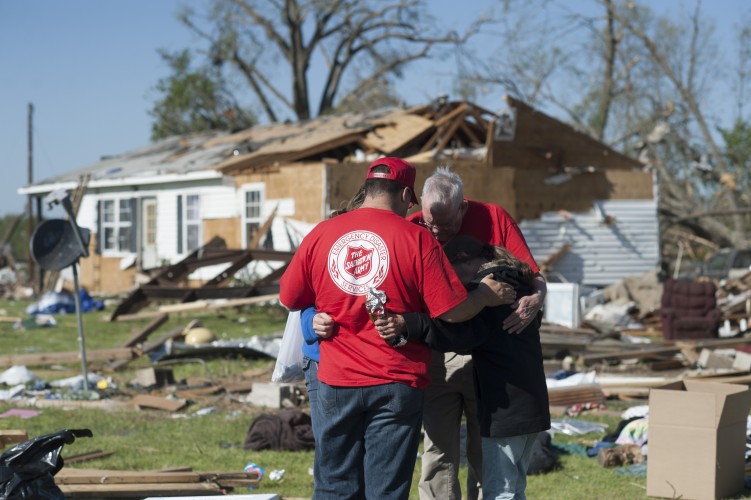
(302, 182)
(398, 133)
(116, 280)
(536, 131)
(229, 229)
(534, 197)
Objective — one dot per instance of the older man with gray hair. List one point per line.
(446, 213)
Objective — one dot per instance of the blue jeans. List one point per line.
(310, 369)
(368, 440)
(504, 466)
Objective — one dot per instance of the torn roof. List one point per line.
(388, 131)
(174, 155)
(459, 128)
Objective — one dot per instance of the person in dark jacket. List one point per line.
(509, 377)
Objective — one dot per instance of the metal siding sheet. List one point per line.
(600, 254)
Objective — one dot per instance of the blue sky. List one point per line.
(89, 66)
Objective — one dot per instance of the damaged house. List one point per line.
(588, 212)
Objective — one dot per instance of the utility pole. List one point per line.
(29, 198)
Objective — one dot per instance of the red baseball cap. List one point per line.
(401, 171)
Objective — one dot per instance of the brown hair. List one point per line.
(503, 257)
(463, 247)
(355, 202)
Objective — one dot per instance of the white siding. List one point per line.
(217, 201)
(86, 216)
(166, 225)
(601, 253)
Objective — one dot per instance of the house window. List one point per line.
(192, 222)
(150, 217)
(117, 225)
(253, 216)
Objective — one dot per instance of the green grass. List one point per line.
(152, 439)
(144, 440)
(99, 333)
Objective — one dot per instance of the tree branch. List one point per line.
(688, 97)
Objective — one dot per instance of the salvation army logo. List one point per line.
(357, 261)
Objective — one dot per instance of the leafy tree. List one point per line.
(194, 100)
(359, 47)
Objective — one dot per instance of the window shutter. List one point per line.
(179, 223)
(99, 235)
(133, 243)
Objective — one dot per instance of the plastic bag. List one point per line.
(289, 361)
(27, 469)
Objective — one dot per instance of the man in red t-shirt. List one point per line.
(446, 213)
(370, 394)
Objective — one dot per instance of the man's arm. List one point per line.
(490, 293)
(438, 335)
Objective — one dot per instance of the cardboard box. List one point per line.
(697, 439)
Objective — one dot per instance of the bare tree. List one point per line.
(639, 82)
(374, 40)
(685, 85)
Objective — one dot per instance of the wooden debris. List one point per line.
(199, 392)
(200, 305)
(53, 358)
(213, 305)
(147, 347)
(731, 377)
(97, 483)
(138, 490)
(12, 436)
(146, 401)
(666, 364)
(83, 457)
(566, 396)
(653, 351)
(148, 330)
(70, 404)
(626, 393)
(167, 283)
